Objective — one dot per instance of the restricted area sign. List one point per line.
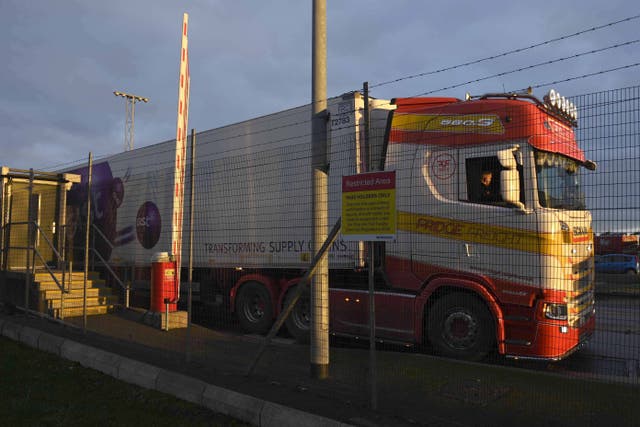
(369, 206)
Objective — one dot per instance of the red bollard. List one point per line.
(163, 283)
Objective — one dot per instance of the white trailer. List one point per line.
(252, 192)
(465, 274)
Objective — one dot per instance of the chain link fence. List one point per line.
(510, 249)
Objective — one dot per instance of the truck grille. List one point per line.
(581, 308)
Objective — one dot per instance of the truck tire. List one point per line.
(298, 322)
(460, 326)
(254, 308)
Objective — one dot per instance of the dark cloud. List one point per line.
(62, 60)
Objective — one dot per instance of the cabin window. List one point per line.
(483, 179)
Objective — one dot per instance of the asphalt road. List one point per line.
(614, 349)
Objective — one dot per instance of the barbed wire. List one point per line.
(503, 54)
(565, 37)
(529, 67)
(584, 76)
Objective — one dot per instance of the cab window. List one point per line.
(483, 179)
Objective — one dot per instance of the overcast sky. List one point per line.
(61, 61)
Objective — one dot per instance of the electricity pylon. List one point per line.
(130, 116)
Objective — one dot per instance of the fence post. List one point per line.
(319, 363)
(302, 285)
(28, 276)
(127, 289)
(373, 380)
(4, 196)
(190, 273)
(86, 245)
(131, 282)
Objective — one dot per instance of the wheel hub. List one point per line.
(255, 310)
(460, 330)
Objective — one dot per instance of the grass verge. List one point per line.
(39, 388)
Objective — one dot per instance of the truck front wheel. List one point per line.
(254, 308)
(299, 320)
(460, 326)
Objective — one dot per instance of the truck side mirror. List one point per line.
(507, 159)
(510, 186)
(509, 177)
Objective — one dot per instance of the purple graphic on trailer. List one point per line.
(148, 225)
(107, 194)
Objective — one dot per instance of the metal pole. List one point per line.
(190, 274)
(127, 291)
(297, 292)
(3, 201)
(30, 243)
(93, 256)
(320, 288)
(62, 240)
(127, 124)
(166, 314)
(61, 229)
(86, 245)
(367, 145)
(132, 123)
(372, 295)
(133, 278)
(5, 196)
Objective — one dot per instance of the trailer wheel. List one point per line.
(299, 320)
(460, 326)
(254, 308)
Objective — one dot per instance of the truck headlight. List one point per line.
(555, 311)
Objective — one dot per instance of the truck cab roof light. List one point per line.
(561, 106)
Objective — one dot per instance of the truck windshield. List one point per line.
(559, 182)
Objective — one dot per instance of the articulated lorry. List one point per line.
(494, 245)
(621, 243)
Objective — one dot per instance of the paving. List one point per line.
(209, 367)
(122, 345)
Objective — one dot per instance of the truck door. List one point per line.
(433, 205)
(497, 232)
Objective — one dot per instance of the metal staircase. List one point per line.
(58, 304)
(37, 248)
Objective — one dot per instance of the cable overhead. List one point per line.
(293, 110)
(528, 67)
(568, 79)
(610, 24)
(503, 54)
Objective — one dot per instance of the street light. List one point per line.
(129, 118)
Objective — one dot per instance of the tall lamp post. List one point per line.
(129, 118)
